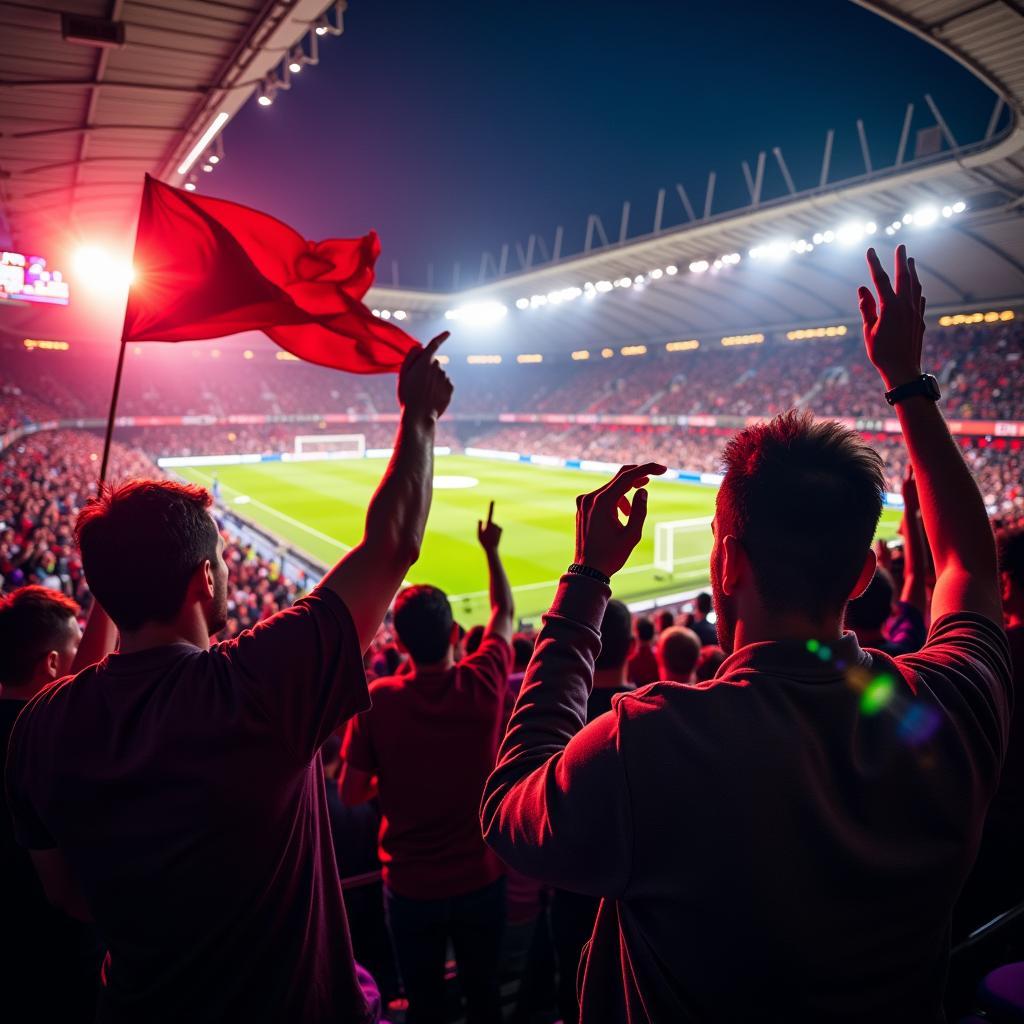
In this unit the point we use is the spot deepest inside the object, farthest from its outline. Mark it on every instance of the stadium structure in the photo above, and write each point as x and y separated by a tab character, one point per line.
152	87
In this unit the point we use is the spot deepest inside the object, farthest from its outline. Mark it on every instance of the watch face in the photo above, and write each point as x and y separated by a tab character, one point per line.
931	387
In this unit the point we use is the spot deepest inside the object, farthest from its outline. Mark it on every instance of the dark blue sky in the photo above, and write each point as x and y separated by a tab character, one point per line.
454	127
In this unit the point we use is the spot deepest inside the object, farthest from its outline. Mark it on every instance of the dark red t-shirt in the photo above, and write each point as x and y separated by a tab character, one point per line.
186	791
643	666
431	739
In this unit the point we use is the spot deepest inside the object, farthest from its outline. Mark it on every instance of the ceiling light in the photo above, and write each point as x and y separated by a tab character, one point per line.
522	303
204	141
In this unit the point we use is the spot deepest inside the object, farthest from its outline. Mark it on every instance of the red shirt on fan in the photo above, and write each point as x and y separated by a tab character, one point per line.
186	790
431	738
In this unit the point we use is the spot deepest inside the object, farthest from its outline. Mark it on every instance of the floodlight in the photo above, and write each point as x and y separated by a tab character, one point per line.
959	206
698	266
671	270
522	303
926	216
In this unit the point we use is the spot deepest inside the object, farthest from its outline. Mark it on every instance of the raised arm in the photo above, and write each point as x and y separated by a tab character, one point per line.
955	521
915	590
557	806
98	639
502	603
369	576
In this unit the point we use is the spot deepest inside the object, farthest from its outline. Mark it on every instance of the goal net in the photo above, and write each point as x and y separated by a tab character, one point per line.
669	552
330	446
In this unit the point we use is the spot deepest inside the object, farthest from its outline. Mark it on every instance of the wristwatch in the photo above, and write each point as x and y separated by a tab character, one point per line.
925	385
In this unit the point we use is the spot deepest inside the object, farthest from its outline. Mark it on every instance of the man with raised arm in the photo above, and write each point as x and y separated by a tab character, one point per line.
430	741
786	840
174	792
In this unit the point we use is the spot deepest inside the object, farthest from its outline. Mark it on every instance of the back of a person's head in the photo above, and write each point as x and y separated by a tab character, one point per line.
703	603
522	651
392	659
33	621
874	606
710	658
423	621
474	638
1011	558
803	498
141	543
678	651
644	629
616	636
666	620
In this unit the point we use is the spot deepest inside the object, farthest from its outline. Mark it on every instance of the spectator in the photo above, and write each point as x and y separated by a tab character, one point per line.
678	652
777	810
573	913
473	638
175	791
666	620
997	881
867	614
643	665
522	651
427	744
708	663
705	630
52	961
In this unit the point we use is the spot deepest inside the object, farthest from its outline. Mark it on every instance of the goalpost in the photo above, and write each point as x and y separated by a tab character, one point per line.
330	446
666	550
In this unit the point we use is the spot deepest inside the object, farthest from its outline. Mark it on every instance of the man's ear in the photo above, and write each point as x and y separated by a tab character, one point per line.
867	572
735	565
52	661
202	586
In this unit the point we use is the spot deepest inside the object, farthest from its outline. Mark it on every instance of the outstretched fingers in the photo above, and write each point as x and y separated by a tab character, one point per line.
879	278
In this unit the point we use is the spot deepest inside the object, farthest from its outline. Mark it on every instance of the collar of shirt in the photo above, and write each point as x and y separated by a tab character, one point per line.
808	661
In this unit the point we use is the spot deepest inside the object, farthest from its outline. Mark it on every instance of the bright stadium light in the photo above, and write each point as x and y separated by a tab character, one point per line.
656	274
604	286
213	159
400	314
97	270
190	186
204	140
538	300
478	314
522	303
925	217
959	206
698	266
850	233
671	270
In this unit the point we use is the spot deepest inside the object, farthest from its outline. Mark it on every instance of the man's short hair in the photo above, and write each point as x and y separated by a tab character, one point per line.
666	620
678	651
1011	554
423	621
703	603
33	621
711	656
874	606
522	651
616	636
141	542
644	629
804	499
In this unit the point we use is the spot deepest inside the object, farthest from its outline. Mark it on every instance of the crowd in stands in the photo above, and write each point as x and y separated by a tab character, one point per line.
765	808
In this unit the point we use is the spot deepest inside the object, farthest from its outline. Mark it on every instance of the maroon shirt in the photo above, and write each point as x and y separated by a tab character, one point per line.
431	739
768	844
185	789
643	666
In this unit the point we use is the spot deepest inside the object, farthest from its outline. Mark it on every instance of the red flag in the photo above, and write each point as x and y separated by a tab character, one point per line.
206	267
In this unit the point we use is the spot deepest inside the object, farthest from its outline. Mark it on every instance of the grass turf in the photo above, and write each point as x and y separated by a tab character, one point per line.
320	508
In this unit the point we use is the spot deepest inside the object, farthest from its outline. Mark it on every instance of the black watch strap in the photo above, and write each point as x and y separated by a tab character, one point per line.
579	569
925	385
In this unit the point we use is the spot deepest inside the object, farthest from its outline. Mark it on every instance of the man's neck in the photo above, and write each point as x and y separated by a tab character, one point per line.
189	629
24	693
609	678
871	638
779	630
447	662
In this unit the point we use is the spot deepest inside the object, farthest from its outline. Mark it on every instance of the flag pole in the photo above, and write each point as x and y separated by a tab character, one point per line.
113	411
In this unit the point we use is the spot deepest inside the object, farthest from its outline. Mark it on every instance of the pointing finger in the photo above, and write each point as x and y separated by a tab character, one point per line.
435	343
490	513
879	277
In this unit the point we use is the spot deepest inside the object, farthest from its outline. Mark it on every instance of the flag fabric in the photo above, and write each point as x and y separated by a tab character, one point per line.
206	267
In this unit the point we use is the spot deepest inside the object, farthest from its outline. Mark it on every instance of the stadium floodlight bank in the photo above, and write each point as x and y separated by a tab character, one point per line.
329	446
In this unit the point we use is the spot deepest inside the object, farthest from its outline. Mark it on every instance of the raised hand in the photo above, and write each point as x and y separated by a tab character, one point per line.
424	389
489	533
894	323
602	541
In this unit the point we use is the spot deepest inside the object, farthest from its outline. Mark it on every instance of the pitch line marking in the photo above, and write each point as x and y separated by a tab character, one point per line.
298	524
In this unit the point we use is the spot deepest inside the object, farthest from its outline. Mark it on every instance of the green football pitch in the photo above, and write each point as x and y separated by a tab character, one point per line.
319	507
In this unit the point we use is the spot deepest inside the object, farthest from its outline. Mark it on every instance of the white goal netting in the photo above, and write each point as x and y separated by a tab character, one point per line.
670	553
330	446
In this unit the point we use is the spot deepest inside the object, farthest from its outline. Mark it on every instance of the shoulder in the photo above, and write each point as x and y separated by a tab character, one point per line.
494	655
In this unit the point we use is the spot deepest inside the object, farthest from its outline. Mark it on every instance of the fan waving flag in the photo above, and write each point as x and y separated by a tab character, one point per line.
205	268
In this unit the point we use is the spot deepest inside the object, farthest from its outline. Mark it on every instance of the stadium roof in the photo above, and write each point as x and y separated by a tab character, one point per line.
93	97
969	260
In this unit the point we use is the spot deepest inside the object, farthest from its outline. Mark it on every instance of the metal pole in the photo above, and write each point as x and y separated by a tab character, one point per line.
113	411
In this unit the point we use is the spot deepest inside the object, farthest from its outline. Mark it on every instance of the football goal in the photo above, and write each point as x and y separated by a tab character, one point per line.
330	446
669	550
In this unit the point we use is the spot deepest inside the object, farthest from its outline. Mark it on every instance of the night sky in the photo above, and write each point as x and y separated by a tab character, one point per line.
454	127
